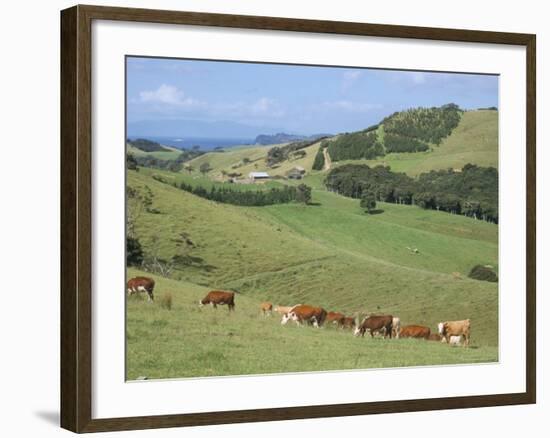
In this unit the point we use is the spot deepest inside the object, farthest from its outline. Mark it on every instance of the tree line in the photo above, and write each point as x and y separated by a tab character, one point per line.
356	145
473	191
278	154
430	125
250	198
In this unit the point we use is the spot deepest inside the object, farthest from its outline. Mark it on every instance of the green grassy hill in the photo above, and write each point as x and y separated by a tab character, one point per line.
474	140
232	160
170	154
329	254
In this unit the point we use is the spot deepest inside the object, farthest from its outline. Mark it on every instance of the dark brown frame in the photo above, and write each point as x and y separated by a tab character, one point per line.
76	222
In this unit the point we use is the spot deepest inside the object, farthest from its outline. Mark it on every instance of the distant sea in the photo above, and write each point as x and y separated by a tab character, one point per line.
206	144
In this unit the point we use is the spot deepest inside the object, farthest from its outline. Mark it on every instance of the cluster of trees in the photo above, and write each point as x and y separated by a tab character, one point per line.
398	143
251	198
319	161
147	145
429	125
278	154
356	145
472	192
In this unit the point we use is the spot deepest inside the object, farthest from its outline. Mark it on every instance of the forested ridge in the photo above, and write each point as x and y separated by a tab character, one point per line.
412	130
472	191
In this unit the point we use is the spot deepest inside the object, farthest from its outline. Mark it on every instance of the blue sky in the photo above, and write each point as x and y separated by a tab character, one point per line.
269	98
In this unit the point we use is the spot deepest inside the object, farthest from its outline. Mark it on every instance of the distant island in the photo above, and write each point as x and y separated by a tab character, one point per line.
282	137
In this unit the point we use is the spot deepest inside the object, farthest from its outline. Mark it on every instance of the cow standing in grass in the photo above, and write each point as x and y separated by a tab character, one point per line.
218	297
415	331
266	308
375	323
141	284
335	318
348	322
449	329
303	313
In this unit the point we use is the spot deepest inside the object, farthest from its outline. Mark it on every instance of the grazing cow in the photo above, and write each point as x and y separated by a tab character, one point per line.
415	331
282	310
375	323
348	322
216	297
266	308
455	328
304	313
141	284
396	327
434	337
335	318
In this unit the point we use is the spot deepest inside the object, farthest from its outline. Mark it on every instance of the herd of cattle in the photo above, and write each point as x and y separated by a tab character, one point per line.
450	332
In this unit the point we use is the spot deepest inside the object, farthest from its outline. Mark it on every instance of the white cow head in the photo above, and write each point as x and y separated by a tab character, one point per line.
441	328
285	319
357	331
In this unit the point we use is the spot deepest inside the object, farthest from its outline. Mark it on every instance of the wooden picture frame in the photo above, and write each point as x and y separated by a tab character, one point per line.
76	217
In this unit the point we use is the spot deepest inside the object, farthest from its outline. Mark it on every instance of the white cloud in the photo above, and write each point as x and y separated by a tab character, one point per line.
169	95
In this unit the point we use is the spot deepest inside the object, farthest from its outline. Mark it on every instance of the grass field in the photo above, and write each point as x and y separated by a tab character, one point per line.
330	254
188	341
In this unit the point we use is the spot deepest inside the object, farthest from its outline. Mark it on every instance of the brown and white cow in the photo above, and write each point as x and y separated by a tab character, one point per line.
375	323
396	327
415	331
266	308
348	322
303	313
335	318
219	297
448	329
141	284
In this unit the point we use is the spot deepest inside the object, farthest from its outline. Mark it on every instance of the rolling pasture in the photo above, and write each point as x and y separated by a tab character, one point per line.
329	254
188	341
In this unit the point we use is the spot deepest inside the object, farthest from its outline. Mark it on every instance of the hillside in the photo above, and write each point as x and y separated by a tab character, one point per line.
188	341
168	152
232	160
293	253
474	140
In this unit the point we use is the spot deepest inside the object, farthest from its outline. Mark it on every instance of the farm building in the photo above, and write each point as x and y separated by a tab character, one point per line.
258	176
296	173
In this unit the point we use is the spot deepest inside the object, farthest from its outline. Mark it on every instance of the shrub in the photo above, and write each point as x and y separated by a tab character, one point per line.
483	273
134	252
166	301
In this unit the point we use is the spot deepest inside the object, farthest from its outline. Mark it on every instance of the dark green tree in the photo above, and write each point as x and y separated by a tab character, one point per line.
204	168
303	193
134	252
368	201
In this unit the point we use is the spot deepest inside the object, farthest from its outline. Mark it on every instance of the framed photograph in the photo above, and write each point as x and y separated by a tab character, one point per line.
269	218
